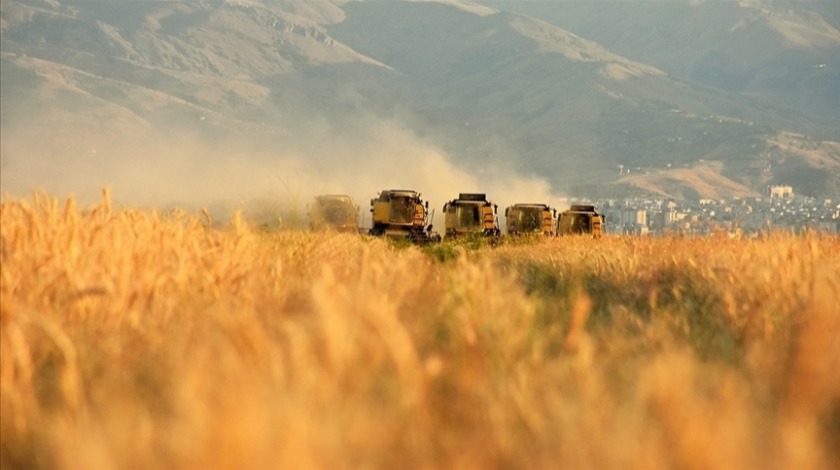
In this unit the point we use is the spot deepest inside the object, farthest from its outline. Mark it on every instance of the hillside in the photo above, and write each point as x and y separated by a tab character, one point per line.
225	101
773	51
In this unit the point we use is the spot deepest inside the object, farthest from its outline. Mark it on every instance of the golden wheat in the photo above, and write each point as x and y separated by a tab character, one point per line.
138	339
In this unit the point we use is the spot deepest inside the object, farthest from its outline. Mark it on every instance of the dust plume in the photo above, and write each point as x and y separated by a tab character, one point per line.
267	176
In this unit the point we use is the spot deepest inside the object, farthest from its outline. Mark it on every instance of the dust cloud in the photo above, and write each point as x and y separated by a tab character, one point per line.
269	178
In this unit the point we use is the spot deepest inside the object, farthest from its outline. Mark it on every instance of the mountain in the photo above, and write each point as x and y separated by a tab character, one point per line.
168	101
778	51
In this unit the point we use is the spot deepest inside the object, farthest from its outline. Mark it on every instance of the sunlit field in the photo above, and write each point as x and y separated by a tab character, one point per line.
136	339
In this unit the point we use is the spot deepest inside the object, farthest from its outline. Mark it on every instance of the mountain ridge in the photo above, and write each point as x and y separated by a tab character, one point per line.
497	93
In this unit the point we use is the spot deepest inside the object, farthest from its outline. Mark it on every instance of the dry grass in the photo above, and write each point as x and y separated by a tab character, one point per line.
143	340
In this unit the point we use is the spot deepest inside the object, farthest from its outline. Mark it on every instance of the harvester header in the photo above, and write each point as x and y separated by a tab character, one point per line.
469	214
580	219
401	213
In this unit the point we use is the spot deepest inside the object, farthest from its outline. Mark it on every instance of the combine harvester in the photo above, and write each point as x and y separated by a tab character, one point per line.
470	214
530	219
402	214
334	212
580	219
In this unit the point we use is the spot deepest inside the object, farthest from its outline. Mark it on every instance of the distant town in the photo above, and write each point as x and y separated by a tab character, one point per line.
780	209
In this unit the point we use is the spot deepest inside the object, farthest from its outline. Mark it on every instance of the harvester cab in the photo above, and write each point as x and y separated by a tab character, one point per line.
401	213
334	212
580	219
530	219
469	214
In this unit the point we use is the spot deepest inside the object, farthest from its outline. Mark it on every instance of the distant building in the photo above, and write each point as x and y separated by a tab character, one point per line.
661	220
637	217
781	192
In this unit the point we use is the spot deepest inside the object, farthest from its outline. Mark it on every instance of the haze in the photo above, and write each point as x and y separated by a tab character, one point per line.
207	104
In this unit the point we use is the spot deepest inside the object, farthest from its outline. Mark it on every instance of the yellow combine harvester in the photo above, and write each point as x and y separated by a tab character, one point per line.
580	219
471	213
334	212
529	219
401	213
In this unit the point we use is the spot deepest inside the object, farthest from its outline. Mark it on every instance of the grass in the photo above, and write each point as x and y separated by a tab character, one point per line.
136	339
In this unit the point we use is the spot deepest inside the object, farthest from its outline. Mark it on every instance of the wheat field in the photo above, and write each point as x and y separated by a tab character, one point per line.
137	339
